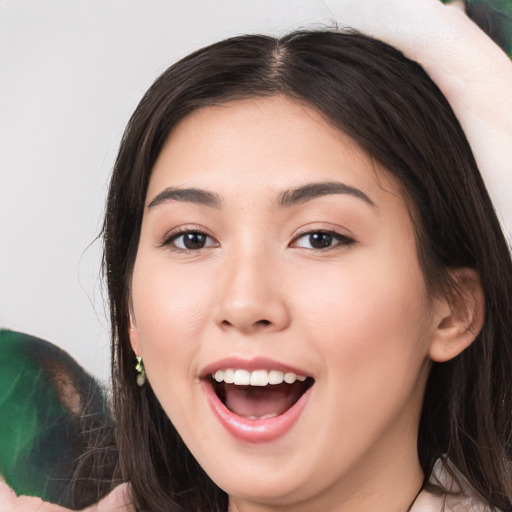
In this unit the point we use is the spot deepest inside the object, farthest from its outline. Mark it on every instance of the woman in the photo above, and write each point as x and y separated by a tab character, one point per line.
296	206
302	255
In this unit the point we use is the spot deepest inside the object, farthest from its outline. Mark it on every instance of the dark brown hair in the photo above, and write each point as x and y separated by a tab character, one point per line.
395	112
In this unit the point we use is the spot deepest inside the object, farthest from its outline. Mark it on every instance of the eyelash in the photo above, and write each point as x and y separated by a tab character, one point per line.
339	240
170	240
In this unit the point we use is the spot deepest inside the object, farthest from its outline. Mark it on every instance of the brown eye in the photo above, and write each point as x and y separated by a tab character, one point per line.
318	240
190	241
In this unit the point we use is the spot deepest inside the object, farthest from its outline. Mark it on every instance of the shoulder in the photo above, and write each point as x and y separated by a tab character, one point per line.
459	496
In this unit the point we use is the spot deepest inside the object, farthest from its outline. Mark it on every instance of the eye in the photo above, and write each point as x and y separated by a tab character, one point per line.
189	240
322	240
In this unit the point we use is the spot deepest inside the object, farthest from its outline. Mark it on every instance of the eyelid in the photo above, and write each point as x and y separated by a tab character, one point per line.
344	240
170	236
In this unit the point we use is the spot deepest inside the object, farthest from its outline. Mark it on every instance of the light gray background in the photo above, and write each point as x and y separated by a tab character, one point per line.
71	73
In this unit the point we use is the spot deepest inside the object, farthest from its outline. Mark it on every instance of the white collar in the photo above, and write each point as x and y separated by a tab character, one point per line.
459	497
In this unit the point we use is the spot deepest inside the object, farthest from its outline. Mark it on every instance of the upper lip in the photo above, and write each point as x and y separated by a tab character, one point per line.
250	364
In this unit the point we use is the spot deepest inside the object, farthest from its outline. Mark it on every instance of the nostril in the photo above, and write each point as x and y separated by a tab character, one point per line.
227	323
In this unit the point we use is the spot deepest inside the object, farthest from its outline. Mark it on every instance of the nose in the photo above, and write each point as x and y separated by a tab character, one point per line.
252	297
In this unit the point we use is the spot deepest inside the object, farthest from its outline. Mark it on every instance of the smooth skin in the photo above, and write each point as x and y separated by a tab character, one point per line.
355	313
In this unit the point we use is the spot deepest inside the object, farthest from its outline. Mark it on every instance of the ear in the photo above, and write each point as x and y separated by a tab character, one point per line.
134	335
459	317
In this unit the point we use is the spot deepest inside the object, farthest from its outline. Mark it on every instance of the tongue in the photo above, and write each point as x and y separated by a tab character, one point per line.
252	401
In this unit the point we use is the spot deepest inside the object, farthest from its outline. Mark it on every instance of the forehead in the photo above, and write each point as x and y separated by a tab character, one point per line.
264	145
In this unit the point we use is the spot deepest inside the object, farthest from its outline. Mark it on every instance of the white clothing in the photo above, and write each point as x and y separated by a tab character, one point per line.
460	495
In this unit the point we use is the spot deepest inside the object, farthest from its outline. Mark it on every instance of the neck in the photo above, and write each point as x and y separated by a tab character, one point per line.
389	487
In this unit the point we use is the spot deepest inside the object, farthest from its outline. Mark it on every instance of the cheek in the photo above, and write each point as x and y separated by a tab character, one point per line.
170	309
366	314
371	327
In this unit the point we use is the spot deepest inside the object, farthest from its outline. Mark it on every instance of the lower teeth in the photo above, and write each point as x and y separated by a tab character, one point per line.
264	417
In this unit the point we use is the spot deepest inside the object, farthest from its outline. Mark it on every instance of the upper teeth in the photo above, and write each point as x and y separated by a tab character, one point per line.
256	377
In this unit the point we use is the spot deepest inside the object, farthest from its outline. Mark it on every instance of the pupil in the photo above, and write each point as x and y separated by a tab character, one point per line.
320	240
194	240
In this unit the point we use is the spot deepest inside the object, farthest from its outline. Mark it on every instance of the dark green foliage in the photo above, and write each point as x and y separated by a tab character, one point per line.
51	411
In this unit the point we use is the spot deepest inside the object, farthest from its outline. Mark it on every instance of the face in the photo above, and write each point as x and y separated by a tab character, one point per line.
279	306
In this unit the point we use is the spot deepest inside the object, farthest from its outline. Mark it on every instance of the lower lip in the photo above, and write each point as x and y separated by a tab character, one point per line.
255	431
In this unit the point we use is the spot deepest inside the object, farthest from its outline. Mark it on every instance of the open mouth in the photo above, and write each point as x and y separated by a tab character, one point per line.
259	394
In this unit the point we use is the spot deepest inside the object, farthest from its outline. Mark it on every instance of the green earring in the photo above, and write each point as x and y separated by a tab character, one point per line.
141	372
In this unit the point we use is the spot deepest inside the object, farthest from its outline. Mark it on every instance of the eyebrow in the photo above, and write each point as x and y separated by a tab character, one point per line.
286	199
313	190
187	195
